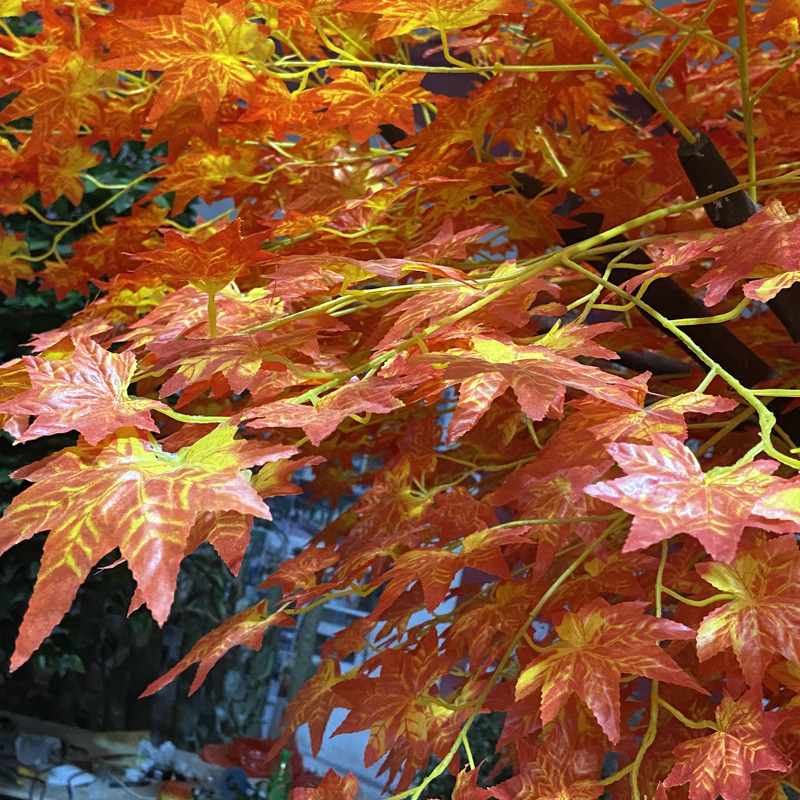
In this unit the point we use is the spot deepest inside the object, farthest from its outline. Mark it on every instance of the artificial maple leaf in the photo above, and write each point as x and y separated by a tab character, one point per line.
436	568
314	704
567	765
539	377
596	645
373	394
404	16
331	787
764	613
208	265
13	263
720	765
246	627
395	708
60	171
128	494
768	238
353	101
668	493
202	51
60	94
242	359
86	392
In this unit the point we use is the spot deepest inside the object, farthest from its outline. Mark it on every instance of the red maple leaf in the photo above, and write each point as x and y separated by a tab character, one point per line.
128	494
668	493
765	584
208	265
246	627
596	646
720	765
396	698
202	51
86	392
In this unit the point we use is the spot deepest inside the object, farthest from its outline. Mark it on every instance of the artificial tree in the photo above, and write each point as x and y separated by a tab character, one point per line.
489	267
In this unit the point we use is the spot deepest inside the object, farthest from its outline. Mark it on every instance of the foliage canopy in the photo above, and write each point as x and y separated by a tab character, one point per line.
487	266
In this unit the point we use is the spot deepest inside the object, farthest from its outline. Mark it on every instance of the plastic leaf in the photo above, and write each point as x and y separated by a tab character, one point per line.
129	494
720	765
208	265
246	627
763	617
595	647
668	493
406	15
203	51
86	392
331	787
354	102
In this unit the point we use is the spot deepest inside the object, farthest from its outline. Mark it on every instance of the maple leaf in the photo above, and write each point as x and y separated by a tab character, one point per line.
761	618
373	394
768	238
596	645
202	51
331	787
60	170
246	627
395	708
86	392
406	15
129	494
351	100
538	375
208	265
435	568
314	704
668	493
721	764
567	766
60	94
13	263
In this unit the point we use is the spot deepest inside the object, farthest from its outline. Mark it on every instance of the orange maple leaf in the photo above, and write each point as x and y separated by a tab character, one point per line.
13	262
353	101
86	392
59	170
756	623
246	627
769	238
538	375
129	494
208	265
60	94
314	704
668	493
402	16
373	394
595	646
331	787
720	765
395	707
202	51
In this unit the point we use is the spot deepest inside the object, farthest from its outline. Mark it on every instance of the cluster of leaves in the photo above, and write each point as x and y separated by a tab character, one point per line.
596	514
